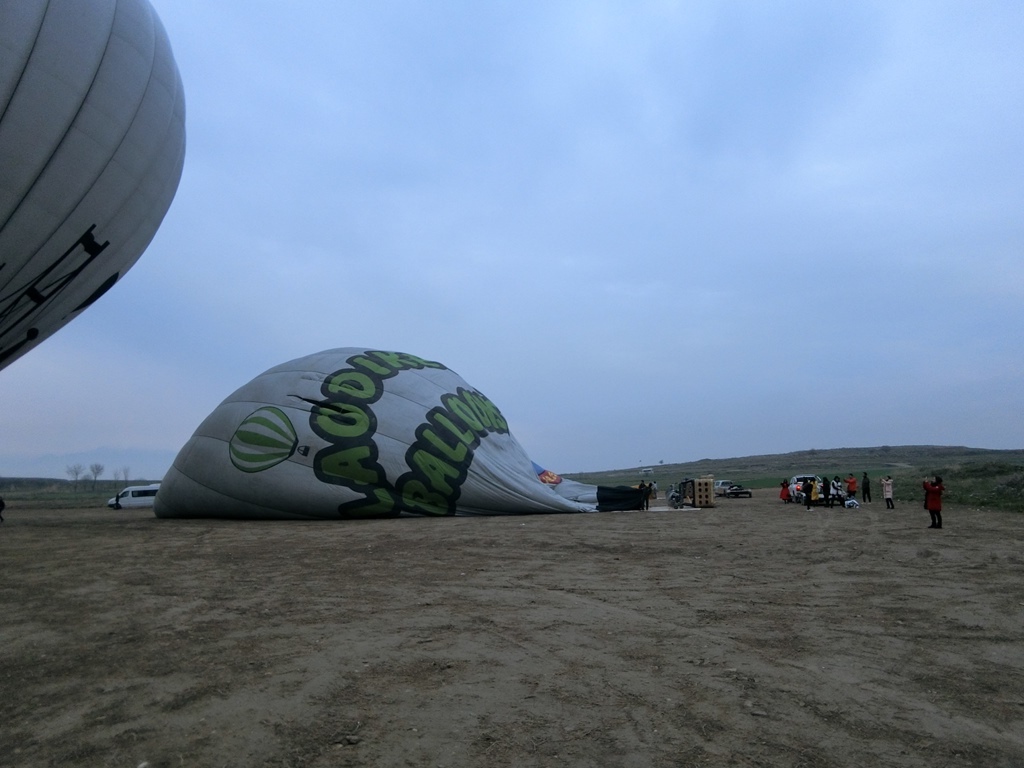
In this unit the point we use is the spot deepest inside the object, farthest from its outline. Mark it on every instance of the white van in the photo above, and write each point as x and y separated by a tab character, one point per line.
135	496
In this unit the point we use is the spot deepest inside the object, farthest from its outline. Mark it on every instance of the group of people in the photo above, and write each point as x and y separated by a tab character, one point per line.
648	491
844	492
811	490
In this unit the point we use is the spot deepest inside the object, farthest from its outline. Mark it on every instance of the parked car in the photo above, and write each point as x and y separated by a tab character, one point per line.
721	486
134	496
736	490
796	483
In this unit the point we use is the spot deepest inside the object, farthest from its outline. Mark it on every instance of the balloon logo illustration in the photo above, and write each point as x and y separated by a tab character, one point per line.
263	440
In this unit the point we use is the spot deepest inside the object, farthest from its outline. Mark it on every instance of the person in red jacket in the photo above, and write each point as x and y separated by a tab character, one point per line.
784	493
933	500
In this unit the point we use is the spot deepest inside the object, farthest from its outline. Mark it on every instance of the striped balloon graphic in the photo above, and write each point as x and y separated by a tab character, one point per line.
263	440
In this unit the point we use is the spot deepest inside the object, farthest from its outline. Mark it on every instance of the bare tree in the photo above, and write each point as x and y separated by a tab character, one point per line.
75	471
126	473
95	470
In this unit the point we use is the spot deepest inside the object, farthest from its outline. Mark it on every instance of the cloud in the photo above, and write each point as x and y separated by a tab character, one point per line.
662	231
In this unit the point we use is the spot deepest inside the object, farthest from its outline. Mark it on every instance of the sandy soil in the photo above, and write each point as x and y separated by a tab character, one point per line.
750	634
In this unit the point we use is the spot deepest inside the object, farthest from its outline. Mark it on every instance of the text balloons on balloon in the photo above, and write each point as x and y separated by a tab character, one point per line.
358	433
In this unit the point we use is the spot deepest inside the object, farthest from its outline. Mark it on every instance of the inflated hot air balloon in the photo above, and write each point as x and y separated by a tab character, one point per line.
92	141
352	433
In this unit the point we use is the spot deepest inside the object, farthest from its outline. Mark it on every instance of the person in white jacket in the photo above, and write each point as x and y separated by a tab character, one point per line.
838	492
887	492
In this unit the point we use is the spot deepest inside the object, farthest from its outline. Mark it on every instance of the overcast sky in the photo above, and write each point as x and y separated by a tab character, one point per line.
647	231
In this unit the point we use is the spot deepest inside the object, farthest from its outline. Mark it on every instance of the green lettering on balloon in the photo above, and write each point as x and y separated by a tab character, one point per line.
341	420
348	464
465	437
353	384
436	471
382	503
457	453
392	360
417	497
487	411
371	365
464	412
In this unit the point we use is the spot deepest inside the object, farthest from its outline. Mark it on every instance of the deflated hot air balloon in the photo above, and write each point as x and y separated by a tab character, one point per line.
353	433
92	141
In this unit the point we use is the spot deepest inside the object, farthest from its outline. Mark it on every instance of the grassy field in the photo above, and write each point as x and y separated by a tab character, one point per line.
976	476
50	493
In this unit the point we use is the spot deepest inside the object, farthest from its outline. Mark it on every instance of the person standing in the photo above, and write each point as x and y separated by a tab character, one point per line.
887	492
826	492
784	493
3	506
808	491
837	491
865	488
643	495
851	486
933	500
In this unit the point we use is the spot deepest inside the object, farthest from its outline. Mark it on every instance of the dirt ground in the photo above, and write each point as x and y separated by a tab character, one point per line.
745	635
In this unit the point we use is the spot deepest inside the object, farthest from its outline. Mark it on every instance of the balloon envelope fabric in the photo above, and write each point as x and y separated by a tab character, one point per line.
356	433
92	142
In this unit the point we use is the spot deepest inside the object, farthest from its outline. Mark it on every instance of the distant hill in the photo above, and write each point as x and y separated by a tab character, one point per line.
971	475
